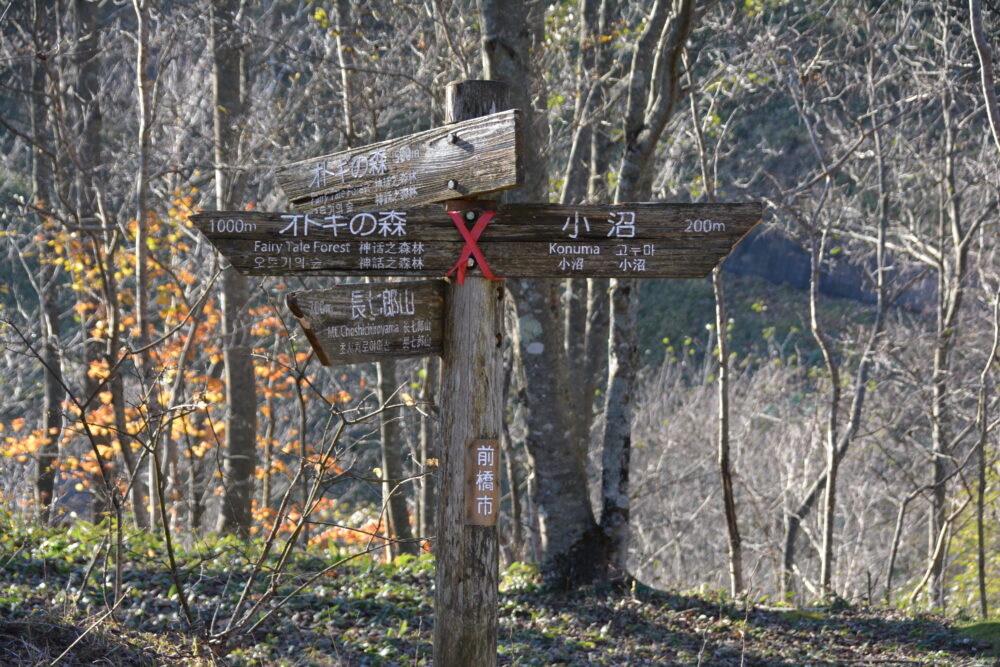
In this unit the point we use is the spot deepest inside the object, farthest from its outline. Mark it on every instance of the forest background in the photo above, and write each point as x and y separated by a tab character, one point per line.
818	420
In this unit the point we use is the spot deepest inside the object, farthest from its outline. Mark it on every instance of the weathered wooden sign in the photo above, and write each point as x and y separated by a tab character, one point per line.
349	324
473	157
518	241
482	482
354	215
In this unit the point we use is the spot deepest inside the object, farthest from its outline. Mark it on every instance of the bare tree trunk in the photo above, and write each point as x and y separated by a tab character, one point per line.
516	535
196	486
935	519
939	472
622	360
817	250
792	524
595	365
590	153
655	75
982	419
428	449
267	493
305	484
241	397
41	186
516	401
573	190
575	340
572	545
344	60
985	55
951	288
736	586
393	493
148	386
54	394
514	482
722	333
602	146
87	124
598	289
577	172
178	389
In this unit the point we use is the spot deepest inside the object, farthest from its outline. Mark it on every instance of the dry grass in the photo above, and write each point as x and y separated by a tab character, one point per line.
42	639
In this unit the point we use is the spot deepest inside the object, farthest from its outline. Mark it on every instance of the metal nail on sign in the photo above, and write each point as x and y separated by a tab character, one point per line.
470	158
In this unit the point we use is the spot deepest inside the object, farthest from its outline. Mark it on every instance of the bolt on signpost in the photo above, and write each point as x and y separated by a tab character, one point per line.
363	213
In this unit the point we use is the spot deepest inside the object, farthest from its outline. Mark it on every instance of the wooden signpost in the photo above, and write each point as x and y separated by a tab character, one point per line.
349	324
362	213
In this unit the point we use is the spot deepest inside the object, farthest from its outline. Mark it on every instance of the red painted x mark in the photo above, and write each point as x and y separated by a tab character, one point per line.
471	249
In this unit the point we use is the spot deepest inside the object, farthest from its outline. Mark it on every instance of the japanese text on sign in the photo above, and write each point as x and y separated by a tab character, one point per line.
572	256
482	482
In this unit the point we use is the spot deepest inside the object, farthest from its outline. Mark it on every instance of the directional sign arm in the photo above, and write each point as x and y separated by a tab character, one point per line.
366	322
522	241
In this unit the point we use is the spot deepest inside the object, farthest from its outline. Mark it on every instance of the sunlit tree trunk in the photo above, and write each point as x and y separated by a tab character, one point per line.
149	388
571	544
655	74
722	382
985	55
602	149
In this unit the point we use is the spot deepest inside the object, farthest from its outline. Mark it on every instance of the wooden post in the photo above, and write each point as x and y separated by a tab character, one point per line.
467	579
353	217
342	227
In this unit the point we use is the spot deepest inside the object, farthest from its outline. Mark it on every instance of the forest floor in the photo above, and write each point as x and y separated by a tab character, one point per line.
377	614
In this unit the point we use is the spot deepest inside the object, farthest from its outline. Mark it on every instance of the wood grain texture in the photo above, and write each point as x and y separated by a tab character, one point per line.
663	241
478	156
364	322
482	482
468	573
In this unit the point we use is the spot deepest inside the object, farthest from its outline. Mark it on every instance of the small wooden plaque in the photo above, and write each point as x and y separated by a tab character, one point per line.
364	322
474	157
482	482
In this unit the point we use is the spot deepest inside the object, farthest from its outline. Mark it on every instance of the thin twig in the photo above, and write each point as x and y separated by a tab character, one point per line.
85	633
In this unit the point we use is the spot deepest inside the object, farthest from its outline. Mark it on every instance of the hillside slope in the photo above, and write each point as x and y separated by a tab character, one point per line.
382	615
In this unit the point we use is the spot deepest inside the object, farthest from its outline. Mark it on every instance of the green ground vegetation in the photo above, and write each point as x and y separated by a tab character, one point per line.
54	587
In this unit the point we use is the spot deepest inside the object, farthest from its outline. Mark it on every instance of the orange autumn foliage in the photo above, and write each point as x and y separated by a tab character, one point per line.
188	351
